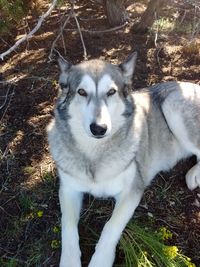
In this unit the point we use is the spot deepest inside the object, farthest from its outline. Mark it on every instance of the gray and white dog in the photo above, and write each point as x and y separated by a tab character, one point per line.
109	141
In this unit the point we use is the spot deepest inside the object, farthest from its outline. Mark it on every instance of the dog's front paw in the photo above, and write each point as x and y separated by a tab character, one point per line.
70	262
70	258
193	177
103	258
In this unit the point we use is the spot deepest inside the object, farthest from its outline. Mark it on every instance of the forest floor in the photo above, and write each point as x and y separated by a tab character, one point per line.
29	206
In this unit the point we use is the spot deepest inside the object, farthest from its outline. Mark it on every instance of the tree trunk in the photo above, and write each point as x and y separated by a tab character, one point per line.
149	16
115	12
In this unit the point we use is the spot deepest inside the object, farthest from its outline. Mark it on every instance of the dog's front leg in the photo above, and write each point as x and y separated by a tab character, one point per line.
125	206
70	202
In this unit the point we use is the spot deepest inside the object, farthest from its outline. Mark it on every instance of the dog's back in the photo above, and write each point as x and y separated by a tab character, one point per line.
171	125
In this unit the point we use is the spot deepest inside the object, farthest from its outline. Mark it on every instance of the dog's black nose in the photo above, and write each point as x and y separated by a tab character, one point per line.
98	130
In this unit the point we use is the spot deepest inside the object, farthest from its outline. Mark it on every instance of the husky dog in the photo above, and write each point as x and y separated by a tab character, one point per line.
110	142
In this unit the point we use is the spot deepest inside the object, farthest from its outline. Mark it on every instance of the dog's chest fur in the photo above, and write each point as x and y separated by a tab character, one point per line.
98	167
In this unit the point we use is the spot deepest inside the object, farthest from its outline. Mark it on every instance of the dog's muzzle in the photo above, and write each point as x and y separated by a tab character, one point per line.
98	130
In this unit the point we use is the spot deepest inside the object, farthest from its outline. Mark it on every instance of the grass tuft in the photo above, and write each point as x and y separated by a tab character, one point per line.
163	25
26	203
28	170
144	248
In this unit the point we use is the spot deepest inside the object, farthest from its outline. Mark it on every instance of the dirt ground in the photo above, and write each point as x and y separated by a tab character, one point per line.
29	208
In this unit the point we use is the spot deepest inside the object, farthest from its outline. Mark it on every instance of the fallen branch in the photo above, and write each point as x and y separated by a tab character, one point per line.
59	35
80	33
6	98
30	34
196	23
7	82
101	31
157	29
8	104
91	19
16	79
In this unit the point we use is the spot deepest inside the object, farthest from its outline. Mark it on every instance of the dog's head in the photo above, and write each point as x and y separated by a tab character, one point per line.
95	95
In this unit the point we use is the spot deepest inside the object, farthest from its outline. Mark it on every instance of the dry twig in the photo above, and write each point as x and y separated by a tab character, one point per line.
60	34
62	28
9	101
30	34
157	29
101	31
6	98
81	35
196	23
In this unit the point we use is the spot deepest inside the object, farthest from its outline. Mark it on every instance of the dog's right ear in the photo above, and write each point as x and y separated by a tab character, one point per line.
64	65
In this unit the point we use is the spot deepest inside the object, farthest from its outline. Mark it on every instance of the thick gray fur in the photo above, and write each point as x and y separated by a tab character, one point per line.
161	125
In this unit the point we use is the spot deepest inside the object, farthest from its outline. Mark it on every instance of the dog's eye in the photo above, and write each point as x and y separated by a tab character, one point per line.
112	91
82	92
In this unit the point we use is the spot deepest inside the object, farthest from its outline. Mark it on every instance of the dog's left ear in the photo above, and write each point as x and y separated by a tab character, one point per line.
128	67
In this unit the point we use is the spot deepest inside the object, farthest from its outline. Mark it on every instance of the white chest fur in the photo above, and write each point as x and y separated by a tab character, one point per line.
105	183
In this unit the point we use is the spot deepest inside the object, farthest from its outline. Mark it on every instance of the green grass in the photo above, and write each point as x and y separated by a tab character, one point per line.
28	170
166	25
163	25
8	263
35	252
48	177
26	203
145	248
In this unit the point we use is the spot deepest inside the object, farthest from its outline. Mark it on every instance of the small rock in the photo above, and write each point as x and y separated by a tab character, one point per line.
196	203
150	214
172	203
